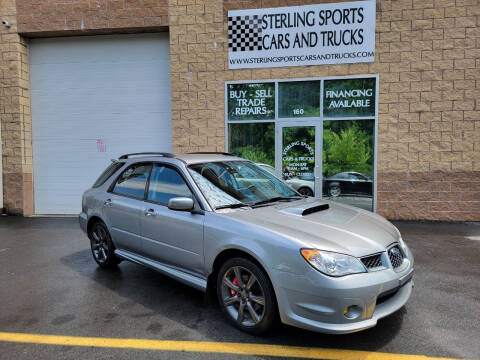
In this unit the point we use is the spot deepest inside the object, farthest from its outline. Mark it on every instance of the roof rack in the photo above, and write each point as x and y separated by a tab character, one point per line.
212	152
164	154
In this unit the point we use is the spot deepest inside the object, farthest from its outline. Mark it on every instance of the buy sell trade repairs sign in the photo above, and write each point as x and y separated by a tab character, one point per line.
319	34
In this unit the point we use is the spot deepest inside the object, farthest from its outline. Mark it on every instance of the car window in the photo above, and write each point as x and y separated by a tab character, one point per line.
233	182
112	168
166	183
338	176
353	176
268	168
133	180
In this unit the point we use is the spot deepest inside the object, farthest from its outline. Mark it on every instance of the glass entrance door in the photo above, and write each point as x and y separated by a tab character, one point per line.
298	156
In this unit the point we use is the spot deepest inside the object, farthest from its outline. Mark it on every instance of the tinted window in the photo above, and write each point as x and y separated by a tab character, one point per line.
133	180
166	183
113	167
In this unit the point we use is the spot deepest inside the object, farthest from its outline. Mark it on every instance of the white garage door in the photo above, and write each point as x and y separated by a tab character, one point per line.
94	98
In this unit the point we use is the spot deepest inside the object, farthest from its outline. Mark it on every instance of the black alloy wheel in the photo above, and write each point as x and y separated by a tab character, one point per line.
102	247
246	296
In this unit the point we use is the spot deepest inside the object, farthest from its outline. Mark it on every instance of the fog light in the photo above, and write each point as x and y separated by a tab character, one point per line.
352	312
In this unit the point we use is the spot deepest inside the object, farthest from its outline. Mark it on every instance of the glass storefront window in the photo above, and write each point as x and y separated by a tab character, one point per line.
254	101
299	99
348	155
283	124
253	141
349	97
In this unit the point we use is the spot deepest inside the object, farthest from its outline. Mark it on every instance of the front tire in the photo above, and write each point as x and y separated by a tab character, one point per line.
306	191
102	247
246	296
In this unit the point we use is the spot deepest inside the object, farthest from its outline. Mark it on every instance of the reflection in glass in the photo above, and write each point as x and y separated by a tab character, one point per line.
165	184
299	99
298	158
234	183
132	182
348	156
253	141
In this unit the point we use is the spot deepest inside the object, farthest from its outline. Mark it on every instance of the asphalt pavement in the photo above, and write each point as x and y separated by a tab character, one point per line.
51	285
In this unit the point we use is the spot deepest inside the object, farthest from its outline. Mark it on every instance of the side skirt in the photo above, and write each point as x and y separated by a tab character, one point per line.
188	279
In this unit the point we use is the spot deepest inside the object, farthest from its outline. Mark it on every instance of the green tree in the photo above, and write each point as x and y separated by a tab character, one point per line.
349	149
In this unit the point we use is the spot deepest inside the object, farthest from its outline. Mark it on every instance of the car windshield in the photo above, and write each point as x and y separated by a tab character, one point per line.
239	183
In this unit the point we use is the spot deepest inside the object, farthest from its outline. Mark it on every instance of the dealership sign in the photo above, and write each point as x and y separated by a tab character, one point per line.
333	33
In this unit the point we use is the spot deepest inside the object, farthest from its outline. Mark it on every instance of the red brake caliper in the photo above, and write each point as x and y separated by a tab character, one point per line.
235	282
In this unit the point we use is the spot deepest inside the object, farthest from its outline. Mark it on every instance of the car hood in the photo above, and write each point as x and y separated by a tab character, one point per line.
340	228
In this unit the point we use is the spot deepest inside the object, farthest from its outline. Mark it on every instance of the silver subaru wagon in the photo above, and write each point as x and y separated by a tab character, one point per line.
220	223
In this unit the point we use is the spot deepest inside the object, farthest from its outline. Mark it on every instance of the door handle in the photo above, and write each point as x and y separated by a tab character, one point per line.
149	212
108	203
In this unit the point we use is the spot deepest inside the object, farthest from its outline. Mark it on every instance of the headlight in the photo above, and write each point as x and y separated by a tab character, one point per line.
400	241
403	245
331	263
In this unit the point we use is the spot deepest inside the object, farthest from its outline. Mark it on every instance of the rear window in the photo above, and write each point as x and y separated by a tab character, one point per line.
109	171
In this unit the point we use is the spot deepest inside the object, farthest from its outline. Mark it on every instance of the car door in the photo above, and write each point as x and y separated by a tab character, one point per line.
171	237
124	205
364	185
354	184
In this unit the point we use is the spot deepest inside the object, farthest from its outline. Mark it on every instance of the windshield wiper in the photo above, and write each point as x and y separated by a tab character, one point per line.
277	198
232	206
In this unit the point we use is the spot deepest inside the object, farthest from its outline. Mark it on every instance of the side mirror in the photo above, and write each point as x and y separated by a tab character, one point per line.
180	204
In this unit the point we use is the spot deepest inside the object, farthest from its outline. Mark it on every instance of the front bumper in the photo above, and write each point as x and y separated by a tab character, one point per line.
317	302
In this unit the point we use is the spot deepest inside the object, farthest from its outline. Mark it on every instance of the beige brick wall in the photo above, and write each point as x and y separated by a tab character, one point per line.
15	116
428	60
83	17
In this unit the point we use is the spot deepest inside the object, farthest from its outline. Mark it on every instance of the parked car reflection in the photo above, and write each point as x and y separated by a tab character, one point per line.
304	184
341	184
348	183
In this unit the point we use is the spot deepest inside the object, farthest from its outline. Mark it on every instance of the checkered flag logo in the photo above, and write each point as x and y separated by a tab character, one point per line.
244	33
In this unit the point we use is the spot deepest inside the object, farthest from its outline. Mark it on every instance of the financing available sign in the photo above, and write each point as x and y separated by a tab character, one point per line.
319	34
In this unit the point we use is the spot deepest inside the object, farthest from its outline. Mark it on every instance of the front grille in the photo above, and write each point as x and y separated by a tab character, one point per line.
395	255
373	261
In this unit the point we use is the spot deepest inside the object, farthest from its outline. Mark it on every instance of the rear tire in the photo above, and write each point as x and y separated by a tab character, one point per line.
335	191
101	245
246	296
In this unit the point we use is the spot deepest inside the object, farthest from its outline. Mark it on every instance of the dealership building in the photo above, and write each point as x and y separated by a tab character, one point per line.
371	103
